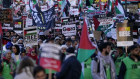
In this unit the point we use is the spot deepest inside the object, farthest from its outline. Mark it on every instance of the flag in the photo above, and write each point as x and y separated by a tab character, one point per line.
65	8
43	19
90	9
86	49
111	5
80	5
96	23
119	8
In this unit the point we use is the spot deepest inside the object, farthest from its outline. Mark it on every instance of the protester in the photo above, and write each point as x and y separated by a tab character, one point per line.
102	67
119	58
68	42
71	68
25	69
39	73
7	73
16	53
130	65
33	55
14	40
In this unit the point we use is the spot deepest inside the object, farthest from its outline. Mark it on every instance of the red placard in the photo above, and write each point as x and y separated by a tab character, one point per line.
50	63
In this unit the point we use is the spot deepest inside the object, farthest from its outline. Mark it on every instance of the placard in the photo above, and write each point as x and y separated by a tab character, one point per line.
30	35
124	34
69	30
50	56
6	16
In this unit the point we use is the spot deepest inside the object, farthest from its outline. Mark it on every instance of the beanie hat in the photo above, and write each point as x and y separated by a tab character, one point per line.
70	50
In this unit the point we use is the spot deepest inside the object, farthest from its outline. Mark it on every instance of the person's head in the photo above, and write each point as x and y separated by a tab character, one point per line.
12	33
20	41
8	34
23	53
28	48
16	49
120	50
74	43
26	62
33	52
8	54
70	50
64	48
14	39
68	42
73	38
105	48
39	73
57	40
134	50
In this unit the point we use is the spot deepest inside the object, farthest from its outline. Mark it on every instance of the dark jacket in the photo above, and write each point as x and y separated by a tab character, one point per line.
71	69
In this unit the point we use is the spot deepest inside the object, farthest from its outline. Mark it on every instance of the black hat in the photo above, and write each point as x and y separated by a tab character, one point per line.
70	50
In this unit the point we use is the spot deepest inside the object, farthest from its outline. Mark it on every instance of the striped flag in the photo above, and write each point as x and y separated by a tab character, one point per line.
111	5
119	8
65	8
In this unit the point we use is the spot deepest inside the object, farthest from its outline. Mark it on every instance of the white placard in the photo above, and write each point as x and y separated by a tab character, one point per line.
69	30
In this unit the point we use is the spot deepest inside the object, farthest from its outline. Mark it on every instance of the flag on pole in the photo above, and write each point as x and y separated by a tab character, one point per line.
96	23
86	49
65	8
43	19
119	8
111	5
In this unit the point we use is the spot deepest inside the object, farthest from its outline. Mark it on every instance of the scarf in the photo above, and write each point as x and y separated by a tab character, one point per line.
67	56
106	61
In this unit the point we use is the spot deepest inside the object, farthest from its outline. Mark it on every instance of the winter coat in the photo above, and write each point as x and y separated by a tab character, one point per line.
6	69
71	69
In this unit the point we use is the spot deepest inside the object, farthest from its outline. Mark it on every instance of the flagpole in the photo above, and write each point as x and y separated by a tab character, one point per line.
126	5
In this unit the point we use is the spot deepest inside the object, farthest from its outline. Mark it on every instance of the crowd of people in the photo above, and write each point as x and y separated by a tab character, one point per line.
20	61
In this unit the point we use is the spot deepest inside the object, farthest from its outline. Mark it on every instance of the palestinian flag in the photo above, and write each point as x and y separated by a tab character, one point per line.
111	5
65	7
119	8
86	49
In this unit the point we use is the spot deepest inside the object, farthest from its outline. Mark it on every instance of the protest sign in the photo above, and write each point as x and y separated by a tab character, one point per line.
50	56
7	26
30	35
97	35
29	22
18	27
6	15
69	30
124	34
58	29
104	24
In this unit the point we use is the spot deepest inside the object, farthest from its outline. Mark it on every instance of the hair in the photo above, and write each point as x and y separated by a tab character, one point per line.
25	62
18	49
104	45
132	48
38	69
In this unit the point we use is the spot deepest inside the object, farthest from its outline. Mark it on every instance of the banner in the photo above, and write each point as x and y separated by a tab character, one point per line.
50	56
18	27
29	22
124	34
69	30
6	16
30	35
44	19
105	24
7	26
58	29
